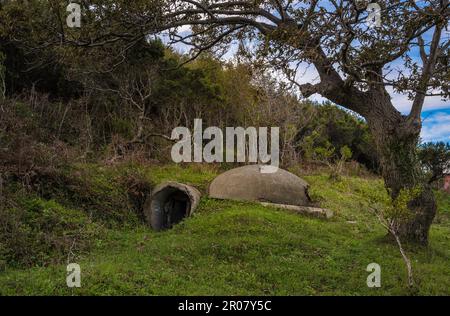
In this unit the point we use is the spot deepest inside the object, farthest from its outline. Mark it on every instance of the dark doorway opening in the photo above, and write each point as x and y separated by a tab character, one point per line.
176	208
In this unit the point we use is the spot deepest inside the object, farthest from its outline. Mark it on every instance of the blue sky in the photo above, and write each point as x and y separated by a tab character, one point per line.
436	125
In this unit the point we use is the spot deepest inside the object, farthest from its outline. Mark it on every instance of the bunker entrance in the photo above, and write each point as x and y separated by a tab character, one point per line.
169	204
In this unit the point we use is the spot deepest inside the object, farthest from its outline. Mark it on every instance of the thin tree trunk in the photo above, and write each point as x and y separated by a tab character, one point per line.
405	259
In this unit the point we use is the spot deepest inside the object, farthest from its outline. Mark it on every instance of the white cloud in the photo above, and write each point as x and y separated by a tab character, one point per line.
436	127
403	104
184	29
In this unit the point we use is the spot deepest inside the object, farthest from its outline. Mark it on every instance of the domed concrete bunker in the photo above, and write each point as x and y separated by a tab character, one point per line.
249	184
169	204
281	189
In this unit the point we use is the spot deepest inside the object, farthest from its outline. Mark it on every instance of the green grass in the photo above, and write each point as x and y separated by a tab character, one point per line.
236	248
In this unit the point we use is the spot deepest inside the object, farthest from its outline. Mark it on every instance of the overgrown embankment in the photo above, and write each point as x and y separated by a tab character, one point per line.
91	216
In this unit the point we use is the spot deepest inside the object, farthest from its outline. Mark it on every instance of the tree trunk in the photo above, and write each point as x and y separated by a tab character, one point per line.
396	139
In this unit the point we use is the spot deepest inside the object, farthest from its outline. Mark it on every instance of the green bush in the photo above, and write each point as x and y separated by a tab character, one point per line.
61	213
100	192
34	232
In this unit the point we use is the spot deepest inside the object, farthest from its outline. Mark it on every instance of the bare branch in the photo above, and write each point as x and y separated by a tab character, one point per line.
427	73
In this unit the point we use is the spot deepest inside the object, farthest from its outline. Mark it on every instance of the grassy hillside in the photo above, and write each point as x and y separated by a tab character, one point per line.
227	248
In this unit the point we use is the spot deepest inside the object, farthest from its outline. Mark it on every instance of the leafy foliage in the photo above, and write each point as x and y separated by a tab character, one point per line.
435	158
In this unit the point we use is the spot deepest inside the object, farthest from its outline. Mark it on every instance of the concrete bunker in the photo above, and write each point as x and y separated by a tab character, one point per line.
281	189
169	204
248	183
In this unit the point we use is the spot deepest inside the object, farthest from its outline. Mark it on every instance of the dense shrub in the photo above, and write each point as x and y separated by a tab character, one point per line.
106	195
34	232
61	213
